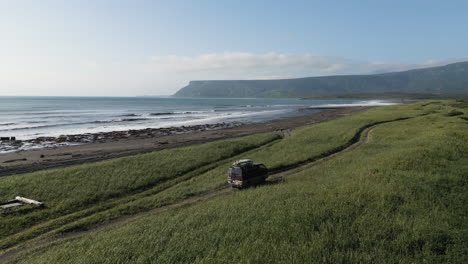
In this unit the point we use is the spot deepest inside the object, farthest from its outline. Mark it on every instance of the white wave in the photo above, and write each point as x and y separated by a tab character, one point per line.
107	120
360	103
224	117
6	149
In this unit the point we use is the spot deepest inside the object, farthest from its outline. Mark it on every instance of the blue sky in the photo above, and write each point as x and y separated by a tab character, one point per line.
155	47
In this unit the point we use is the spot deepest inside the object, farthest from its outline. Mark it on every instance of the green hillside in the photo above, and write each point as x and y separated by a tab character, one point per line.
383	186
441	81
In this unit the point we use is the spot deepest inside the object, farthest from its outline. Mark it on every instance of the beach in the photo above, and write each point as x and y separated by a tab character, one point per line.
124	143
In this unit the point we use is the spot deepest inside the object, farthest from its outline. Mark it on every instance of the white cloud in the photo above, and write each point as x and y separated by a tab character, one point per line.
380	67
244	60
250	65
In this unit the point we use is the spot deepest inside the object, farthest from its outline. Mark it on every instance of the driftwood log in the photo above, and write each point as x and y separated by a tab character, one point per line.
28	201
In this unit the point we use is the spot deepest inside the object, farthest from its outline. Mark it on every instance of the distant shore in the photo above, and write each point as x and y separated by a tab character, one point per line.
102	146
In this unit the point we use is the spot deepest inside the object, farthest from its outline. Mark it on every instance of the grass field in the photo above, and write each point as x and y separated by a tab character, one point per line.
79	187
399	198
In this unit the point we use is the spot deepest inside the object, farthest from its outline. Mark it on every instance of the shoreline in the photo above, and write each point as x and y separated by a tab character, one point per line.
44	142
132	142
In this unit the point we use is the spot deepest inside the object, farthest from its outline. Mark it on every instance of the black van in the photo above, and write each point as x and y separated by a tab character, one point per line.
243	173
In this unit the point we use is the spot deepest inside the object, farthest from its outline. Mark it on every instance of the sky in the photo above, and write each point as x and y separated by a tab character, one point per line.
135	47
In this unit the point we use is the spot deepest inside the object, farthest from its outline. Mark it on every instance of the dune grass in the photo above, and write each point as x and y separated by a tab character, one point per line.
400	198
79	187
160	195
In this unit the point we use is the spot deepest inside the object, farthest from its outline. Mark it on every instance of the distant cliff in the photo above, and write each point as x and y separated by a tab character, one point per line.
446	80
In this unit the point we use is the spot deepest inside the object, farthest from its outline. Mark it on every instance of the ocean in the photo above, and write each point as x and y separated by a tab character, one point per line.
32	117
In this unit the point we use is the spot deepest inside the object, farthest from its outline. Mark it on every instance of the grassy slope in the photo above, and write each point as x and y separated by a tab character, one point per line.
312	141
297	193
78	187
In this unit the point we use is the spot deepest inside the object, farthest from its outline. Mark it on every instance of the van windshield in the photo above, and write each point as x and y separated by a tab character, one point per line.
235	173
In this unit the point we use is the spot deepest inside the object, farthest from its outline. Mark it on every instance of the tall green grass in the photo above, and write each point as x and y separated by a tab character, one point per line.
66	190
306	143
400	198
162	194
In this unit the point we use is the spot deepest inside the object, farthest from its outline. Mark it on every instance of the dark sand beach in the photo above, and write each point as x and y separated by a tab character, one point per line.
119	144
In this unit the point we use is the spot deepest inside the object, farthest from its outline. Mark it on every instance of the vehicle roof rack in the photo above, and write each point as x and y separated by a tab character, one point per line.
242	162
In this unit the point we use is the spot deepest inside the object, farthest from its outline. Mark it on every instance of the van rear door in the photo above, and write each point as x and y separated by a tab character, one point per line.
235	177
235	173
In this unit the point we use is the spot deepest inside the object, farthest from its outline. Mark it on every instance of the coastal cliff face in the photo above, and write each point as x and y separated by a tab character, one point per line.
446	80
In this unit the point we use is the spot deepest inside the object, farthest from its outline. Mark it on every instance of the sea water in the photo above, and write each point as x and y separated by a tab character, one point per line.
32	117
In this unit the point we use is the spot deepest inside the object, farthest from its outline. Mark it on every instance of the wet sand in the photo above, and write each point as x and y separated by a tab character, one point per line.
112	147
